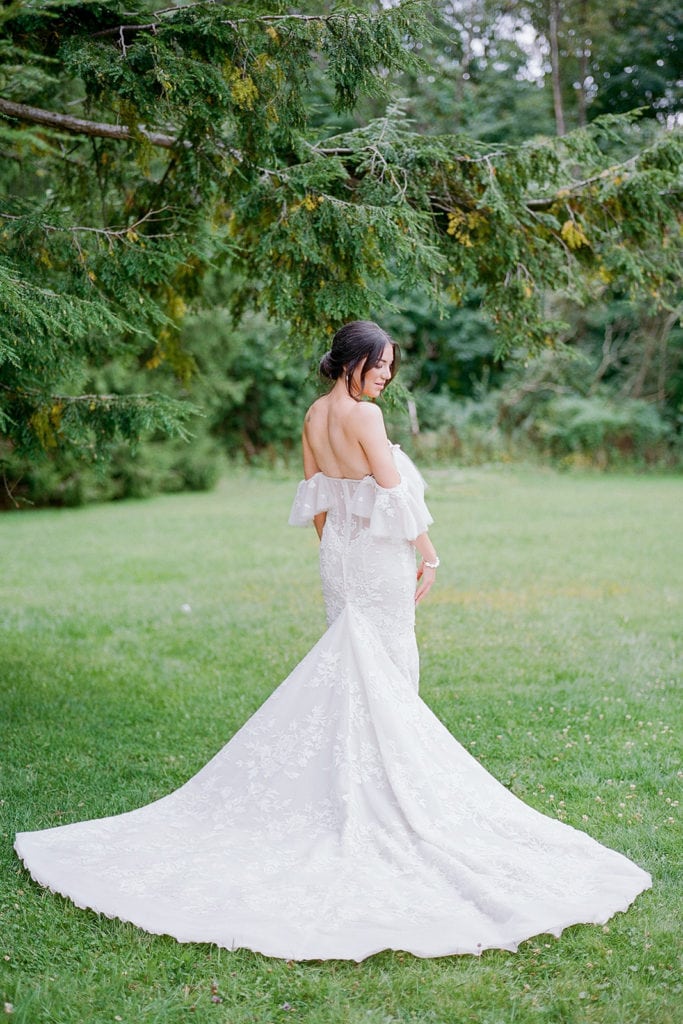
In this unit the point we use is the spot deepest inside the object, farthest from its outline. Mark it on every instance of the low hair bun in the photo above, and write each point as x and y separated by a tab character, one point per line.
327	366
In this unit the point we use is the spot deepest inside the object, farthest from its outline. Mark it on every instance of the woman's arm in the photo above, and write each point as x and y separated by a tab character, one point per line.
310	469
373	439
375	444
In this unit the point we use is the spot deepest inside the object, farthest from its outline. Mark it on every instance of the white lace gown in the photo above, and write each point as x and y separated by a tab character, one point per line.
343	818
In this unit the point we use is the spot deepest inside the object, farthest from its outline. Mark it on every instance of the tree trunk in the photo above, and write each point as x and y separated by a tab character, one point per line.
553	22
583	61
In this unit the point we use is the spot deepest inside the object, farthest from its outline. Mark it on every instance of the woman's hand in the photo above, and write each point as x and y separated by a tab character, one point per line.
425	578
426	573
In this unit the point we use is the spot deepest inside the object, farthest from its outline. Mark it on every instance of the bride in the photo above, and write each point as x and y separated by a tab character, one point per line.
343	818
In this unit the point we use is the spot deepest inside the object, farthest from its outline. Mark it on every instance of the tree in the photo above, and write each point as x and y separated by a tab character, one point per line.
641	62
475	80
613	56
141	147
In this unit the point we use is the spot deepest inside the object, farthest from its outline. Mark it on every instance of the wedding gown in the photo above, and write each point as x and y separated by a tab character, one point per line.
343	818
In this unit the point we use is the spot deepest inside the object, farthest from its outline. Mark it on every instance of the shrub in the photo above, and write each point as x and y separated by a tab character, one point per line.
572	429
602	429
155	467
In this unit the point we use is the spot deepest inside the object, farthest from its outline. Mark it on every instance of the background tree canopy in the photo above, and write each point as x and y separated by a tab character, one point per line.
185	188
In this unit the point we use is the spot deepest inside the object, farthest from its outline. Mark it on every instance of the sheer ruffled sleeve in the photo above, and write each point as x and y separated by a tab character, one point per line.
312	496
398	511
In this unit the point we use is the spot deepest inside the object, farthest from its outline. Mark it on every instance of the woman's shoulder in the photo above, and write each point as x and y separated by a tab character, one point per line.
365	416
369	411
316	409
368	423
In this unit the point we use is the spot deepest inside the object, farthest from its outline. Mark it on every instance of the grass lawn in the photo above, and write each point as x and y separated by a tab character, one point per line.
136	638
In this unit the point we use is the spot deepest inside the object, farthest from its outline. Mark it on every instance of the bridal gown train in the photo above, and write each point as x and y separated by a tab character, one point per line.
343	818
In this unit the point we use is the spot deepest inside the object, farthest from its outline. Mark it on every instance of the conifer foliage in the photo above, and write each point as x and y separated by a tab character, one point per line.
142	146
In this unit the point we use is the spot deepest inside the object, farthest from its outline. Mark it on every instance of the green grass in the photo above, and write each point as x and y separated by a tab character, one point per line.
550	647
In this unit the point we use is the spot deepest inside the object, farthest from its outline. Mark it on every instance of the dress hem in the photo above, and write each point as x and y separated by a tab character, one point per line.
264	949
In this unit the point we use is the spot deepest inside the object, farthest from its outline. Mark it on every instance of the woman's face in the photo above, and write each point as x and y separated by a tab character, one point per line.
377	376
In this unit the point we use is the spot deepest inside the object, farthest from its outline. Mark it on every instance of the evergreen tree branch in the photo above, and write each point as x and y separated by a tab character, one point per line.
95	397
80	126
255	19
109	233
578	186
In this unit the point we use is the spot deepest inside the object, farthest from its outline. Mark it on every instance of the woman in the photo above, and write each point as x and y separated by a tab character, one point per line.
343	818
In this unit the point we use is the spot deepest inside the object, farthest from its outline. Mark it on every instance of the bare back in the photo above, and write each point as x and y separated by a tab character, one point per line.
346	439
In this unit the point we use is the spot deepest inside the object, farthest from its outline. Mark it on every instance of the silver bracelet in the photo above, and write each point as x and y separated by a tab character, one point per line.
432	565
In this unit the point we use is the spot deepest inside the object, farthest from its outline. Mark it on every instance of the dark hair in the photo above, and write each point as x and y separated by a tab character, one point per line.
360	343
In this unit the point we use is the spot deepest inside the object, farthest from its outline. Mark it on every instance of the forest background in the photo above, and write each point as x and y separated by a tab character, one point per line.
192	199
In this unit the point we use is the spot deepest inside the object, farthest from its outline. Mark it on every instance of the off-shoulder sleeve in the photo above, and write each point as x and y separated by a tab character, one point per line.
312	496
400	511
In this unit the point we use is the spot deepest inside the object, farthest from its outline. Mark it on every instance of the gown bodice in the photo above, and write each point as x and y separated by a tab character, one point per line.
399	512
367	560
